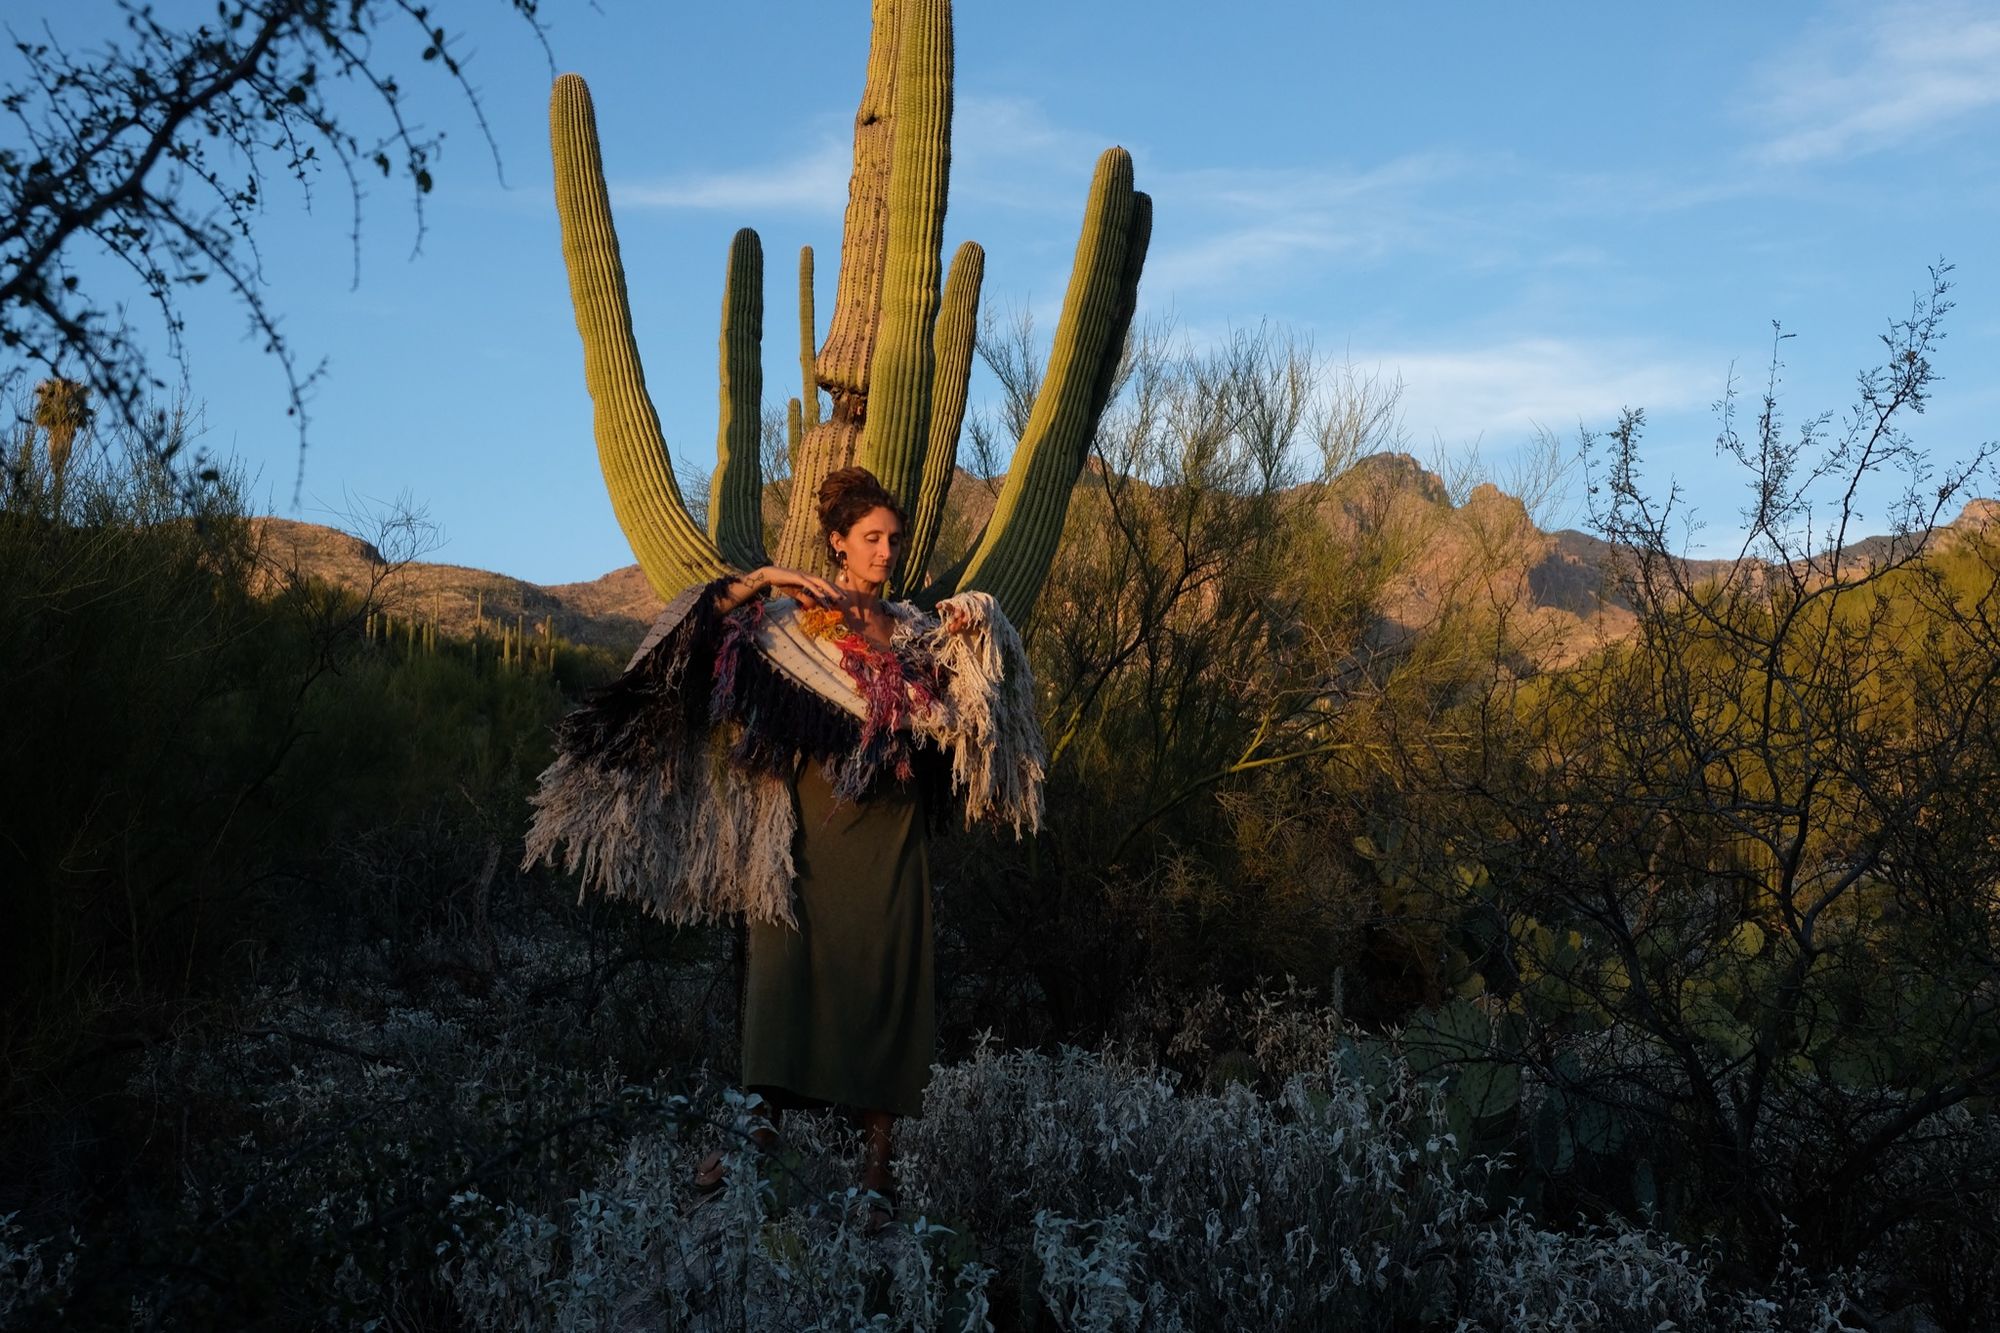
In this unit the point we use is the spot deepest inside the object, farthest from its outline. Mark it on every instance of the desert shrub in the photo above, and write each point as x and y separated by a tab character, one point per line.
460	1163
1521	1275
317	1156
1250	1212
208	752
1726	888
1114	1200
126	649
1080	1192
1189	635
1719	894
218	788
784	1251
36	1275
1692	990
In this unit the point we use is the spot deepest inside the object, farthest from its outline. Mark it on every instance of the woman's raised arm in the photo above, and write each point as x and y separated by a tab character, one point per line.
808	588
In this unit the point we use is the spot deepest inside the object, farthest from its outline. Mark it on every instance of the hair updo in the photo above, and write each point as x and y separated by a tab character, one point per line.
846	497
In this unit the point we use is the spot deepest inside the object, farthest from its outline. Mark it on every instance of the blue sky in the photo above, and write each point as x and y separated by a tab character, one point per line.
1534	214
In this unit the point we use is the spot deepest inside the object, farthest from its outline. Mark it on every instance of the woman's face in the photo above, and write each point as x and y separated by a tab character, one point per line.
872	544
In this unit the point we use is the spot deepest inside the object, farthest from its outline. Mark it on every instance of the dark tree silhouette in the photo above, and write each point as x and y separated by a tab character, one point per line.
157	151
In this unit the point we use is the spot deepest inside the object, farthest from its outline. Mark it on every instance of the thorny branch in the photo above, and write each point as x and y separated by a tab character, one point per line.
153	155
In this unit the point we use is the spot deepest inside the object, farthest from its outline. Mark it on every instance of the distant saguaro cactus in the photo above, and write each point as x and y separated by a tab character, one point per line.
897	354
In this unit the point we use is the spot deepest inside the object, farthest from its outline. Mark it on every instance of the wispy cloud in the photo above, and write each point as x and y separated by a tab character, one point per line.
1510	389
1245	224
1005	150
1009	153
815	182
1207	262
989	126
1883	76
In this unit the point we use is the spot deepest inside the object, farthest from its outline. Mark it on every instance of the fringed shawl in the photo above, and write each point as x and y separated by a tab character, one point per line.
671	784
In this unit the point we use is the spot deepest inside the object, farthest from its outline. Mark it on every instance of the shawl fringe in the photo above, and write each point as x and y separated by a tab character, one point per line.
671	784
988	725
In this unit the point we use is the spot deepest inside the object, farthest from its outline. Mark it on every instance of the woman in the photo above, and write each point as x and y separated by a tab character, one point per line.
776	756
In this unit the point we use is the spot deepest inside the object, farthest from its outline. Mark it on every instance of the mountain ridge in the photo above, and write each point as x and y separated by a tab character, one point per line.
1485	546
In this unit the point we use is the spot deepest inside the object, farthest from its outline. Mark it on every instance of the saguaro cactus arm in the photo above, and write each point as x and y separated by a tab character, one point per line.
672	551
957	329
1014	552
736	495
1141	238
808	330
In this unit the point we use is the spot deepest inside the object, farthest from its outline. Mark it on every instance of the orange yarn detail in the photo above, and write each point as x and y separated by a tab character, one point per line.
822	622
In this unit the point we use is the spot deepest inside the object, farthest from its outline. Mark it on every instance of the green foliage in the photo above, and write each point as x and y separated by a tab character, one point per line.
1482	1086
1188	648
124	631
1733	906
204	727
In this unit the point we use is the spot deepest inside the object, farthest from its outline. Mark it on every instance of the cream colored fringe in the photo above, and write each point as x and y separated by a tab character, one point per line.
989	725
696	840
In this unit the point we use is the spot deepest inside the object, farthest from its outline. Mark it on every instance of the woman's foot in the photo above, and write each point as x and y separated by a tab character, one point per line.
713	1171
710	1175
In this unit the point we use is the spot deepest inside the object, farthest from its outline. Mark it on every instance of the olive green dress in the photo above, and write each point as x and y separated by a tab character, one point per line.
841	1010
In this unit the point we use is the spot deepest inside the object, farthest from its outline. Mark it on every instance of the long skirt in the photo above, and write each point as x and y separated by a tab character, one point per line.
842	1009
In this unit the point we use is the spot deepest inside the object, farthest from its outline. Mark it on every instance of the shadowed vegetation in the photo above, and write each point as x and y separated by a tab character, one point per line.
1601	978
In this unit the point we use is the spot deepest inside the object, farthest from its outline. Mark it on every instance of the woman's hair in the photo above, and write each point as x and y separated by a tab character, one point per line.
846	497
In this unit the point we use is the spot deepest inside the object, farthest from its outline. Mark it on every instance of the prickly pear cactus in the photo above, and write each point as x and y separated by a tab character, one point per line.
897	355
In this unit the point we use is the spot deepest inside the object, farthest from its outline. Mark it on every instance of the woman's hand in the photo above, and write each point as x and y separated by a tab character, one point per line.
810	589
957	617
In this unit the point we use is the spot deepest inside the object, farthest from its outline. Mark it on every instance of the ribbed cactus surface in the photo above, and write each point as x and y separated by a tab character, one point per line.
898	352
736	495
846	356
672	551
849	350
808	330
1020	539
899	398
957	330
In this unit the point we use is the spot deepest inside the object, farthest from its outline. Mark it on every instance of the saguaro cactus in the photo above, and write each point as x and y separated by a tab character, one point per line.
897	354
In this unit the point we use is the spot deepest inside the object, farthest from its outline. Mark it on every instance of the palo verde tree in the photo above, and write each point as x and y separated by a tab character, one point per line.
895	360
